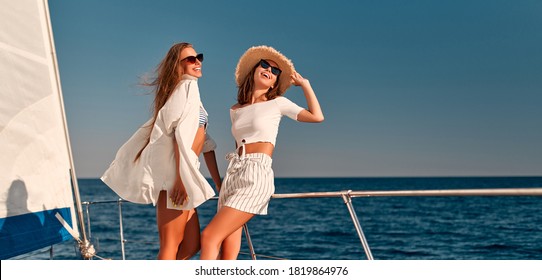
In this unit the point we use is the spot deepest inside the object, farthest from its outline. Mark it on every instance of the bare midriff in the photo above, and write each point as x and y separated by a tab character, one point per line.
199	140
258	147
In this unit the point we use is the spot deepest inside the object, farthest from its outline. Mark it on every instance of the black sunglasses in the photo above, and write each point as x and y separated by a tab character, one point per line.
192	59
264	64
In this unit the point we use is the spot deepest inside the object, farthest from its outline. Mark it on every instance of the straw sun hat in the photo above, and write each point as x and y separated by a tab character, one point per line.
253	55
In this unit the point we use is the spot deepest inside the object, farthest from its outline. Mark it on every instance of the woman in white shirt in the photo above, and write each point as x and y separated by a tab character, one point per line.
159	163
263	74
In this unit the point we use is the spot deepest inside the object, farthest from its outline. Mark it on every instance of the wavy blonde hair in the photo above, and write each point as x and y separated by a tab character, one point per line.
168	75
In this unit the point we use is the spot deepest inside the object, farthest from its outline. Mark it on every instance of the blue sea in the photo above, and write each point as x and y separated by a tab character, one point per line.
396	228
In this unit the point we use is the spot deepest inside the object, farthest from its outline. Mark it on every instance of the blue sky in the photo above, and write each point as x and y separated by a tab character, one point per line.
408	88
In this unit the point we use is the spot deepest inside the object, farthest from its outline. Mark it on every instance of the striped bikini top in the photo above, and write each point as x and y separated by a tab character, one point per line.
203	117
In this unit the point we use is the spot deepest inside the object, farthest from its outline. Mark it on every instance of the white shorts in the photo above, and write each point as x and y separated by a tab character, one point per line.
248	184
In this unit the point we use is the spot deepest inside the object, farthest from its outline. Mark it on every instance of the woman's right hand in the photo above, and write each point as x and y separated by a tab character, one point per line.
298	80
314	113
178	193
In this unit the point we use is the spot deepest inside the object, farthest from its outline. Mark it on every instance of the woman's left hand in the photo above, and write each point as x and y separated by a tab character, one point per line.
298	80
178	195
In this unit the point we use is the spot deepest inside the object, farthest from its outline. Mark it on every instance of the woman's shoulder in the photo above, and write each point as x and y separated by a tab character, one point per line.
281	100
188	78
187	83
236	106
185	86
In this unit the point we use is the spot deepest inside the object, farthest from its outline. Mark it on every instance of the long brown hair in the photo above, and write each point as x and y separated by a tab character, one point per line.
168	75
245	91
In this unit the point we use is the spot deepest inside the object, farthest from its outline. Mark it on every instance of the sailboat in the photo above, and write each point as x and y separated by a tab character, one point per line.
40	203
38	183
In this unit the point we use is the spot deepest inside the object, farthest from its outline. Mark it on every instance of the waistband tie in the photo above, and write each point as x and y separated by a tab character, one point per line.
238	161
235	160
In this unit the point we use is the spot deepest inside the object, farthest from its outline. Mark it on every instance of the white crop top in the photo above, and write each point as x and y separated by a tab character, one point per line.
259	122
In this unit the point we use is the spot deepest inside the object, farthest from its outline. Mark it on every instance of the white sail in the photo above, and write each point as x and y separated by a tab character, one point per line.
35	159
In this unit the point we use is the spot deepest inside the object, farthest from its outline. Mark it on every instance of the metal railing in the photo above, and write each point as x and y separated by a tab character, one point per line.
349	194
347	199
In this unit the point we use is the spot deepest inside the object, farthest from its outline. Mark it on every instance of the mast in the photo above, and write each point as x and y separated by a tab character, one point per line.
86	248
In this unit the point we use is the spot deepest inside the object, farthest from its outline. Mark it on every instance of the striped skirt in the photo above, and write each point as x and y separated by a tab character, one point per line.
248	184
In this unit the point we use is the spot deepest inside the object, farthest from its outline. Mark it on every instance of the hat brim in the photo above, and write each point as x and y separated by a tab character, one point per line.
254	54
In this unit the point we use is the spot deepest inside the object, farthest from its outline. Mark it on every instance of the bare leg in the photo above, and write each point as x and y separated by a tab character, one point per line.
171	224
232	245
191	241
225	222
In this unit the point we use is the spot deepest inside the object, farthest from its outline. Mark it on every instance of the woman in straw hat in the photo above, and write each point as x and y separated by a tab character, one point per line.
159	163
263	75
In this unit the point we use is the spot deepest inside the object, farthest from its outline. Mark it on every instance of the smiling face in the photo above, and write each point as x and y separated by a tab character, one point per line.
263	77
192	69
